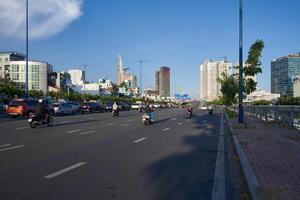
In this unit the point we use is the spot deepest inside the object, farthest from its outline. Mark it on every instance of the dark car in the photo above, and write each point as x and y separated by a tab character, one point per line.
108	107
21	107
124	106
90	107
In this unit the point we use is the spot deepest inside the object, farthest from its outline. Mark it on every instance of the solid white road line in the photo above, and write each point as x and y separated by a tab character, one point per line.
85	133
139	140
10	148
64	170
20	128
124	125
74	131
109	124
4	145
166	129
218	192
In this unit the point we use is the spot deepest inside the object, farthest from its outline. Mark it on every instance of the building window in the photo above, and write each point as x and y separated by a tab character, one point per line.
35	86
35	68
35	77
15	68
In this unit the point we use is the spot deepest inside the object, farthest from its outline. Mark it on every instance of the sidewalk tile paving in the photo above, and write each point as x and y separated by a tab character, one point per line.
274	154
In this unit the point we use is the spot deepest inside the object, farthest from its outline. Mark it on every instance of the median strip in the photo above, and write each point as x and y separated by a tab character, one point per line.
11	148
62	171
139	140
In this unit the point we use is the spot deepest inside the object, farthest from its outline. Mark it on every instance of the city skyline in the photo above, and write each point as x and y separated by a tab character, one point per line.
176	35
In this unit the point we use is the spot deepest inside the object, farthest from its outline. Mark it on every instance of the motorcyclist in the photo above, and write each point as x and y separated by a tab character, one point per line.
41	109
210	109
115	107
149	111
190	109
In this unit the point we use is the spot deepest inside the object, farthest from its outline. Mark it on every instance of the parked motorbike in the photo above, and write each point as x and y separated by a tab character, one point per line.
147	119
36	121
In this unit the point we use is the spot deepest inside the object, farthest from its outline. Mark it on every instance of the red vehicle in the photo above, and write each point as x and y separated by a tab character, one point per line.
21	107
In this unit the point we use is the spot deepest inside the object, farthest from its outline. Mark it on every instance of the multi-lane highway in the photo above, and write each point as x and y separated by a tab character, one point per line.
95	156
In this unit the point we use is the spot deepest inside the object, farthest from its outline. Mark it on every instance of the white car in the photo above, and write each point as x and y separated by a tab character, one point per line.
135	106
62	108
204	108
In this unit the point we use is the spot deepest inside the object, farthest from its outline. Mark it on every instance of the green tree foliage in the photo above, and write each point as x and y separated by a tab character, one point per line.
36	93
289	100
229	89
253	64
10	88
262	102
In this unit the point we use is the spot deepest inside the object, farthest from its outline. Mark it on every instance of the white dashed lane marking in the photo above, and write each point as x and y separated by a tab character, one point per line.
74	131
166	129
109	124
11	148
88	132
21	128
139	140
62	171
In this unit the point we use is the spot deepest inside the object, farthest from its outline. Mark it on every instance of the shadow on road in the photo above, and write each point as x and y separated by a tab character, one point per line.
189	173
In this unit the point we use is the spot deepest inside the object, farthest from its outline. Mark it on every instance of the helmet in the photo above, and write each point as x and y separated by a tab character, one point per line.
41	100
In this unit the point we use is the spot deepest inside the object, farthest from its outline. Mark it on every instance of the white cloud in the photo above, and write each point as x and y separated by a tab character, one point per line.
46	17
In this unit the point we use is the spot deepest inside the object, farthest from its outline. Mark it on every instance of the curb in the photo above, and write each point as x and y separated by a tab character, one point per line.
248	171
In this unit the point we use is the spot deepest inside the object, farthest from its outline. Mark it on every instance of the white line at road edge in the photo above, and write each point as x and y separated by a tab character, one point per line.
5	145
139	140
74	131
166	129
10	148
85	133
64	170
218	192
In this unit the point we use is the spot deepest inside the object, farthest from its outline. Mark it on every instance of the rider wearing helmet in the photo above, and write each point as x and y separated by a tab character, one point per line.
41	109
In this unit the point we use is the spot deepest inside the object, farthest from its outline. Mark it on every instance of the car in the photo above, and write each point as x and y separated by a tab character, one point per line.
123	106
135	106
75	106
203	108
108	107
90	107
62	109
21	107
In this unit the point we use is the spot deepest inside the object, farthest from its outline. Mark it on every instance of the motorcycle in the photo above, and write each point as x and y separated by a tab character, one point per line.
115	113
147	119
189	114
140	110
35	121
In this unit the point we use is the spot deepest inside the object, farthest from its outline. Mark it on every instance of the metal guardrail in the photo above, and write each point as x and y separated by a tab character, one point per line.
285	115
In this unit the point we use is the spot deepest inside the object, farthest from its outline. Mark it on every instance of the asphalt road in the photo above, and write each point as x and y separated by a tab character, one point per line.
95	156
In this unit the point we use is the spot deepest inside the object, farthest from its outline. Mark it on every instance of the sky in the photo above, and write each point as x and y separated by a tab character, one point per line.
180	34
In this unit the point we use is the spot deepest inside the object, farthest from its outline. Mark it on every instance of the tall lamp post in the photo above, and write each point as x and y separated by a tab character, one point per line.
141	74
26	85
241	82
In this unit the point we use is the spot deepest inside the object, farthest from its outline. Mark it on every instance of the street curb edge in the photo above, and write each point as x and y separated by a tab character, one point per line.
248	171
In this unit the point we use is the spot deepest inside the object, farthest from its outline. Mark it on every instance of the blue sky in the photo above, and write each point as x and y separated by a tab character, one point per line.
175	33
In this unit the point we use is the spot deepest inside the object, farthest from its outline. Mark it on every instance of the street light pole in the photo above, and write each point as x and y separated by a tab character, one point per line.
26	87
141	74
241	82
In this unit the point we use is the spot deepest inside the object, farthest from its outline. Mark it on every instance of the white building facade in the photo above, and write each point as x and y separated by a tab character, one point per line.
210	71
13	67
77	76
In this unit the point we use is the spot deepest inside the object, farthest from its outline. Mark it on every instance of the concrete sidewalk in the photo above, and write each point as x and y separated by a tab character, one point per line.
274	155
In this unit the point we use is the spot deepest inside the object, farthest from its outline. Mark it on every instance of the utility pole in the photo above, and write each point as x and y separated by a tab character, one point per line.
26	70
141	74
241	82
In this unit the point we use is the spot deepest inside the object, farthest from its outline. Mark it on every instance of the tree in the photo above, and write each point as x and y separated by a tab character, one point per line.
229	89
10	88
252	67
36	93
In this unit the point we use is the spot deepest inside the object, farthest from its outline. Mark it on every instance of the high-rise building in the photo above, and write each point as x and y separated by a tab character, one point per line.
13	67
210	71
120	70
164	82
283	70
157	80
